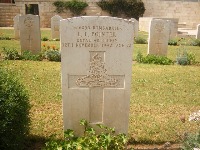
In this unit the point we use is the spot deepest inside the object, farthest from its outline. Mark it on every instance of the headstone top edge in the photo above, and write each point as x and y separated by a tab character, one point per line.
95	17
56	16
31	15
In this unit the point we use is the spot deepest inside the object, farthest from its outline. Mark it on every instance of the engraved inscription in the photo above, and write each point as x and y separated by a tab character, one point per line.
159	46
98	76
159	27
56	28
96	36
28	21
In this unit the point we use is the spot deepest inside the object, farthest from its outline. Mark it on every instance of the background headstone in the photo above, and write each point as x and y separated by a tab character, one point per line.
96	71
16	26
144	24
55	27
158	37
30	36
136	26
198	32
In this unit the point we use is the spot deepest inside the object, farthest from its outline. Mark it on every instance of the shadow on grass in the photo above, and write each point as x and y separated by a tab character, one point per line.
34	142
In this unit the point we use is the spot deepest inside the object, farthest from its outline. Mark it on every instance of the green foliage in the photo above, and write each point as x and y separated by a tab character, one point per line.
53	55
60	6
195	42
130	8
182	60
5	38
45	39
27	55
173	42
191	141
10	53
14	112
139	57
185	58
105	140
140	40
49	54
191	59
75	6
153	59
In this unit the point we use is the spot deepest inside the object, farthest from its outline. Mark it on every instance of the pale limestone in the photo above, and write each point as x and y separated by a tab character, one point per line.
198	32
96	71
30	36
158	37
55	27
16	26
136	26
144	23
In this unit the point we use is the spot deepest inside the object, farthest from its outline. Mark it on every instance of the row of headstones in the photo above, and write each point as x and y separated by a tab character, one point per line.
96	64
55	23
28	27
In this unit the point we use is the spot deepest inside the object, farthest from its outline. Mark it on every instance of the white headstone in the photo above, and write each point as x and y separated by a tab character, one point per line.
136	26
96	71
172	30
144	24
30	36
158	37
16	26
198	32
55	27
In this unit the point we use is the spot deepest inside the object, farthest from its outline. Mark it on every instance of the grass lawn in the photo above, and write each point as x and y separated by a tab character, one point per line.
161	94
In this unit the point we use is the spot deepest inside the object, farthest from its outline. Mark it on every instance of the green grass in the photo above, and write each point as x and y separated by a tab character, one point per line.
7	32
160	96
172	51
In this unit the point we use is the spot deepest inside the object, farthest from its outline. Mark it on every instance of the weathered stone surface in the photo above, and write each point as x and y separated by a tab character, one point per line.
55	26
30	36
16	26
198	32
158	37
136	26
96	71
144	24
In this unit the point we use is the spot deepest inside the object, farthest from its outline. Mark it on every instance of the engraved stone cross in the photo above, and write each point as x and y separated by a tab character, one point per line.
159	27
97	80
159	46
29	39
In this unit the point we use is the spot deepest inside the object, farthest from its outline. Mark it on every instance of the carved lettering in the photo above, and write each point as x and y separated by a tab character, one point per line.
88	36
86	45
83	40
106	28
67	44
101	34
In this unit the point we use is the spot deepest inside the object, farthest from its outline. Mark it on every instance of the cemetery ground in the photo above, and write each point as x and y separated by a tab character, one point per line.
162	97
